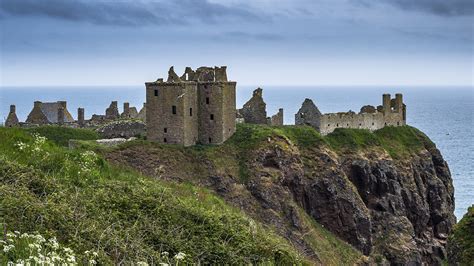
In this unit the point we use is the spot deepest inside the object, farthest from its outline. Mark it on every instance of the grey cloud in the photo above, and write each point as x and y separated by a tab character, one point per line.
239	35
127	13
437	7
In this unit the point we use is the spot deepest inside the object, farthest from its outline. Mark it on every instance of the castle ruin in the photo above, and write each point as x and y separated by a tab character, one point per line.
254	111
49	113
392	112
198	107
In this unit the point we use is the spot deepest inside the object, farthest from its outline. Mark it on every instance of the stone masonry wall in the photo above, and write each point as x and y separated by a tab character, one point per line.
162	125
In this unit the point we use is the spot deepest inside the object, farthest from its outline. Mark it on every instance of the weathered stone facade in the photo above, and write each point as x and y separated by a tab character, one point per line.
112	112
195	108
309	115
277	119
49	113
392	113
12	118
254	110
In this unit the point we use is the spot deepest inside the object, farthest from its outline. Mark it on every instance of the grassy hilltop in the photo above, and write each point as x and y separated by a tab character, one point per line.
89	205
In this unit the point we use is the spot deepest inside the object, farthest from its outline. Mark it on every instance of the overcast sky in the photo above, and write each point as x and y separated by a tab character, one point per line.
263	42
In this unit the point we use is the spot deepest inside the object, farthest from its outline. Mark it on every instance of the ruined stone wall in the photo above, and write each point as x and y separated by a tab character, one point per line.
392	113
308	115
36	116
254	110
12	118
162	125
370	121
277	119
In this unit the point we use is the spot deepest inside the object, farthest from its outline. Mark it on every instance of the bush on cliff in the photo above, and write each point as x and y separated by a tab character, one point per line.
461	241
87	205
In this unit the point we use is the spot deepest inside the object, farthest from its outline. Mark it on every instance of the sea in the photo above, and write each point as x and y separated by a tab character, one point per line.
445	114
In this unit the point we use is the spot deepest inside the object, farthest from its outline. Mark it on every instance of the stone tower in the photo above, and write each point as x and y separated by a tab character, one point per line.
12	119
193	108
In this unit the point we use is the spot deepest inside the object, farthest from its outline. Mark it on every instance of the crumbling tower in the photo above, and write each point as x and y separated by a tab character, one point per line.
80	117
12	119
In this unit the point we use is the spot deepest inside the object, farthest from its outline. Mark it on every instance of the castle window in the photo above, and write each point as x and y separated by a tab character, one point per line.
190	111
164	140
210	140
165	130
337	124
372	123
174	109
385	123
360	124
207	100
398	123
156	92
347	124
212	116
329	124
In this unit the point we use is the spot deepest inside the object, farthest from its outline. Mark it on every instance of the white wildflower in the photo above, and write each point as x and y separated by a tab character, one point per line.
8	248
142	263
180	256
164	264
93	262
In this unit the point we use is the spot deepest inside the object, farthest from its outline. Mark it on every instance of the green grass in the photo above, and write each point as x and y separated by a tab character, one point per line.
62	135
89	205
399	142
462	239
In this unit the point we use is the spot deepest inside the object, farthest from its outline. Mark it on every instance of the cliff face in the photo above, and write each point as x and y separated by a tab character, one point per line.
396	210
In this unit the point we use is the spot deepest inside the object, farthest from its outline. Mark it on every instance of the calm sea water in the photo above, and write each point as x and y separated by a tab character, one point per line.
445	114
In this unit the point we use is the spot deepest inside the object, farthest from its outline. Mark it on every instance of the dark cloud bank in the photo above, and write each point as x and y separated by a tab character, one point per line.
436	7
126	13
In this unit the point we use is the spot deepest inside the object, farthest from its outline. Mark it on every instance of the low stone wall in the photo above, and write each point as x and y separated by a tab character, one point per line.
122	129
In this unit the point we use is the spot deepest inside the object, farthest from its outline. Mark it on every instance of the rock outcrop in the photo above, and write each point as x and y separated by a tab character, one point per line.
397	210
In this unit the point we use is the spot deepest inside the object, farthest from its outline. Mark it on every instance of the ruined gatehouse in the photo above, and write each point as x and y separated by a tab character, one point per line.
198	107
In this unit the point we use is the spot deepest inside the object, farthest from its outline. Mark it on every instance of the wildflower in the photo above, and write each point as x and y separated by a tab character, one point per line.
164	254
142	263
164	264
180	256
8	248
93	262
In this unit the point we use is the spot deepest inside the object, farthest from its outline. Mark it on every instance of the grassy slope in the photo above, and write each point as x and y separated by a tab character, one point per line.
122	214
463	238
89	205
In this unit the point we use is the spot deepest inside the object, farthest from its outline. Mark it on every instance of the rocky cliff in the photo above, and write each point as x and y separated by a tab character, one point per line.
389	194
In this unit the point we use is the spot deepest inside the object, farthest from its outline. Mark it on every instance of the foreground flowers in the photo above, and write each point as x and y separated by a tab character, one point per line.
33	249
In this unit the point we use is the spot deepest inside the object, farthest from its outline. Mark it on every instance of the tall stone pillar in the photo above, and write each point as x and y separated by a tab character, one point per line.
398	102
80	116
60	115
386	103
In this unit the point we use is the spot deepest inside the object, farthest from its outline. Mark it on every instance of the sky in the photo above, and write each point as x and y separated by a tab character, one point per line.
263	42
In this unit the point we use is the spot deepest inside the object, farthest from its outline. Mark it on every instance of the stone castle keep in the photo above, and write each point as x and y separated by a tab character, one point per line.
199	107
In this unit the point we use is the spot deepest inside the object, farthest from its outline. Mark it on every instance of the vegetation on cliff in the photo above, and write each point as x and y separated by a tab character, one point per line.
461	241
87	205
286	178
